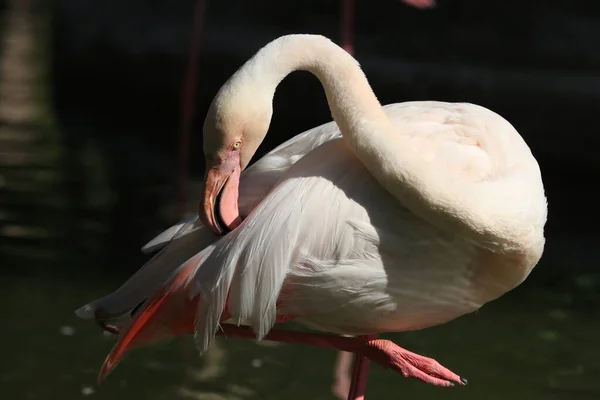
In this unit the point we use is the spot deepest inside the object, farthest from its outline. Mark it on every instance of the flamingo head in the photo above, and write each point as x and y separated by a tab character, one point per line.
234	128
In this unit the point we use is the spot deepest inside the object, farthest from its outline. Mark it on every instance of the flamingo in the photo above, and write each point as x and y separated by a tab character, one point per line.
387	219
341	385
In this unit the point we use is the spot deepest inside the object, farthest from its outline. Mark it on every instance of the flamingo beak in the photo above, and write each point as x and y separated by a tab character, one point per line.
218	172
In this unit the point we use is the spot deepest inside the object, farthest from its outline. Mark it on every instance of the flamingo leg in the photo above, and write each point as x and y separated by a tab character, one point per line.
188	92
360	373
346	25
383	352
342	376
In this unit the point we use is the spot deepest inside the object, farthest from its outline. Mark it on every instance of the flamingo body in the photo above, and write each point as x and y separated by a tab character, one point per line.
389	219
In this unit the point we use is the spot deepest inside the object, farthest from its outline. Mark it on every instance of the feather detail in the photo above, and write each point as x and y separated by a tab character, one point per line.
185	243
167	313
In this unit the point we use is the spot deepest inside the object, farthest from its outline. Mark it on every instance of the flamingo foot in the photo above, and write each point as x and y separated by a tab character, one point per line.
411	365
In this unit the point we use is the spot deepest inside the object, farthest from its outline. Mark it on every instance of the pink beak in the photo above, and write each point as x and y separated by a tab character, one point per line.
219	207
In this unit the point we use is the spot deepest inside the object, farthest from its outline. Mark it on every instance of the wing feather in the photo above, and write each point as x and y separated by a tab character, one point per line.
187	238
318	223
332	236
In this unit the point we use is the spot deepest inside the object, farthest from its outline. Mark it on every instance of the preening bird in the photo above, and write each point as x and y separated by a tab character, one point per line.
386	219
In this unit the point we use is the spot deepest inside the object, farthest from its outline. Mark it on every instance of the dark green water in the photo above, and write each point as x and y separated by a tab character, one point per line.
532	344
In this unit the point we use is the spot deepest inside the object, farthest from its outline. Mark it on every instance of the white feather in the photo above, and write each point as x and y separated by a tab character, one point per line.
423	212
342	254
187	238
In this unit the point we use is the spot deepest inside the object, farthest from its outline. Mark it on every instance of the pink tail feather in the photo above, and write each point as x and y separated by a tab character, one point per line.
167	313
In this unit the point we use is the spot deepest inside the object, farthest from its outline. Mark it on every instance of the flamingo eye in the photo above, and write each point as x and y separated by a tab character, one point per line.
236	145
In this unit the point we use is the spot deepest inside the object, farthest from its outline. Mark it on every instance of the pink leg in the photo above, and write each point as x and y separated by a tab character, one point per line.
346	22
187	101
360	373
383	352
342	376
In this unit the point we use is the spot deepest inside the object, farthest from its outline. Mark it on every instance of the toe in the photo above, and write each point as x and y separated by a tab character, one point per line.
433	368
413	372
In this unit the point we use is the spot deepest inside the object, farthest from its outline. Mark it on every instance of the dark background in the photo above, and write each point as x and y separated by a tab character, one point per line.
89	176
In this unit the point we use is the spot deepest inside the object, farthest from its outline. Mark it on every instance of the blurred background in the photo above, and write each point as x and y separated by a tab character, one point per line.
90	122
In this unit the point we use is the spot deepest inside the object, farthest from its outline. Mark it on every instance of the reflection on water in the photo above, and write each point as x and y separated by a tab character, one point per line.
71	225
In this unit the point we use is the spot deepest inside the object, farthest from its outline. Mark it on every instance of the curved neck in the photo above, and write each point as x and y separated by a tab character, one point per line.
448	203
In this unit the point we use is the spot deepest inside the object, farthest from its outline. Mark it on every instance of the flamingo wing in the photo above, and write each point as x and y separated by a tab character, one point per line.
327	238
257	180
326	245
185	239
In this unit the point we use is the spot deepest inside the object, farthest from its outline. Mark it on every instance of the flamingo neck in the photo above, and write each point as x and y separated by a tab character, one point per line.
452	204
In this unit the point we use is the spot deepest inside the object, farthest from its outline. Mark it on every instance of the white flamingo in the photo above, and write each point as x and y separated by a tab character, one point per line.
389	219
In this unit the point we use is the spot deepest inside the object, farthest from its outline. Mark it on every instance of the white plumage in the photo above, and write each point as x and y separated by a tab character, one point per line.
421	212
353	258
